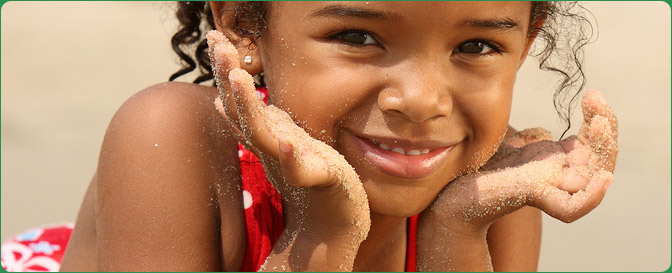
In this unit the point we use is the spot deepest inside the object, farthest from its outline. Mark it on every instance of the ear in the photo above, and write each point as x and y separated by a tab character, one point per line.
535	28
223	14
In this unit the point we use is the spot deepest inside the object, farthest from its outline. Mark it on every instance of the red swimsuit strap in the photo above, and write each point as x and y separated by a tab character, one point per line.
411	241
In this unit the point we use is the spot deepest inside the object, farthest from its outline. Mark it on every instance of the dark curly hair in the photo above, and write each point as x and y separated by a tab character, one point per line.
196	20
558	45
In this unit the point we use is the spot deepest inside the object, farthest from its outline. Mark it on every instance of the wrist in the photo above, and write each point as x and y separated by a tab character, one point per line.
452	247
454	223
340	239
307	250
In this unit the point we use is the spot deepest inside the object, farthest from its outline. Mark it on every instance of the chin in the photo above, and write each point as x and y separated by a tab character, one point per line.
397	209
398	201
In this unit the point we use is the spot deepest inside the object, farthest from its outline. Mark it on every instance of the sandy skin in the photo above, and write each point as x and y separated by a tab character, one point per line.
312	171
566	179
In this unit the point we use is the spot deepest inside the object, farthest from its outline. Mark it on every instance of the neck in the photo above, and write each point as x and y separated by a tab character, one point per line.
385	247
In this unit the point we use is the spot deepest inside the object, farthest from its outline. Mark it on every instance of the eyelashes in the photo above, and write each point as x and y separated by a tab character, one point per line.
478	47
360	38
355	38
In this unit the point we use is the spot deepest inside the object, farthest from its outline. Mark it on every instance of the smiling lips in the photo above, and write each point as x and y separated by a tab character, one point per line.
411	163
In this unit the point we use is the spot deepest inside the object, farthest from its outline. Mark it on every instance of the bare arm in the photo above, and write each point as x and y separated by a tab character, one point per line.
514	241
81	254
156	197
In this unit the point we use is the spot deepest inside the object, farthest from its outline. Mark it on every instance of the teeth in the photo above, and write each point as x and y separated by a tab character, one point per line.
413	152
400	150
385	147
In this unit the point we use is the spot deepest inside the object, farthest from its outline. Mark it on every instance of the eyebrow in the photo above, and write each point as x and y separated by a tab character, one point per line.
344	11
505	24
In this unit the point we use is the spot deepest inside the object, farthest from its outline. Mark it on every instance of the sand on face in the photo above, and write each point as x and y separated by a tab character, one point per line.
53	125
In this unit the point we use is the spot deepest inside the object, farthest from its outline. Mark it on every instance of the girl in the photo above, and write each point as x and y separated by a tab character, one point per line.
386	138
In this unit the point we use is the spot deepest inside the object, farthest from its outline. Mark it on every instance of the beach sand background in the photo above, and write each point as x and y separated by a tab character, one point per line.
67	66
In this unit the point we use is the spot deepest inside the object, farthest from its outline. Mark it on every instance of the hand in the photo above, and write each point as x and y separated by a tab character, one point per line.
565	179
325	203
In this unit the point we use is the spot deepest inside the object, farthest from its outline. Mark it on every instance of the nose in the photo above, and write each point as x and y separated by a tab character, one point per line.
417	97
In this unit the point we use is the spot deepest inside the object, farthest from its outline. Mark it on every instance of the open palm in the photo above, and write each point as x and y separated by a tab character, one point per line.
565	179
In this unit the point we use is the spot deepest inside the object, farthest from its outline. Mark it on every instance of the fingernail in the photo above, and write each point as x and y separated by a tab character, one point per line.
284	145
606	185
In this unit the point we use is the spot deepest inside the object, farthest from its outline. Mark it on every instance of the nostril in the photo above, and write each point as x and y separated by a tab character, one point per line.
394	113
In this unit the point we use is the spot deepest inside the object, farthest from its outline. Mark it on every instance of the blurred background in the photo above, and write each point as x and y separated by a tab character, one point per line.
67	66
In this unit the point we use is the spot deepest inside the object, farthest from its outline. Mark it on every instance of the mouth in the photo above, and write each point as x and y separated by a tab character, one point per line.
402	158
400	150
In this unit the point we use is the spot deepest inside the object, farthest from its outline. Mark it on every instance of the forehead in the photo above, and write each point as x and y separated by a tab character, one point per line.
443	12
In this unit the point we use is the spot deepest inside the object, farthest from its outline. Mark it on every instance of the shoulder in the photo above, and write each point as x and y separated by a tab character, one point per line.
169	125
167	104
170	116
166	155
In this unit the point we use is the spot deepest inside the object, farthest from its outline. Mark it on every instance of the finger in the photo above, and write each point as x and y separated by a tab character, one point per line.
567	207
489	195
214	37
594	104
299	167
251	114
237	134
220	108
577	174
223	56
223	59
603	144
575	179
543	150
577	153
522	147
528	136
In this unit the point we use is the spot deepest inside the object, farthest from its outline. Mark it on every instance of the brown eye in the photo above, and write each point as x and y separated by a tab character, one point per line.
475	47
356	38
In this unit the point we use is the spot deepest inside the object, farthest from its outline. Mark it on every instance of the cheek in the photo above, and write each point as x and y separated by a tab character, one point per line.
318	95
486	106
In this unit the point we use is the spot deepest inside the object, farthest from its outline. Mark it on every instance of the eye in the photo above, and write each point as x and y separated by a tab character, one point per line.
477	47
355	37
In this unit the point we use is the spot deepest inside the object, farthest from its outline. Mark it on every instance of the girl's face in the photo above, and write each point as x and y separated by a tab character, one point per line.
412	94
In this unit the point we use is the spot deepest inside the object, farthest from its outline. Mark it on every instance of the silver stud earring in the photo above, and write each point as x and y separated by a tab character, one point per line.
247	59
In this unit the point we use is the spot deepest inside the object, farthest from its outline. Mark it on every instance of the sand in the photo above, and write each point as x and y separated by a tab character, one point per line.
58	99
